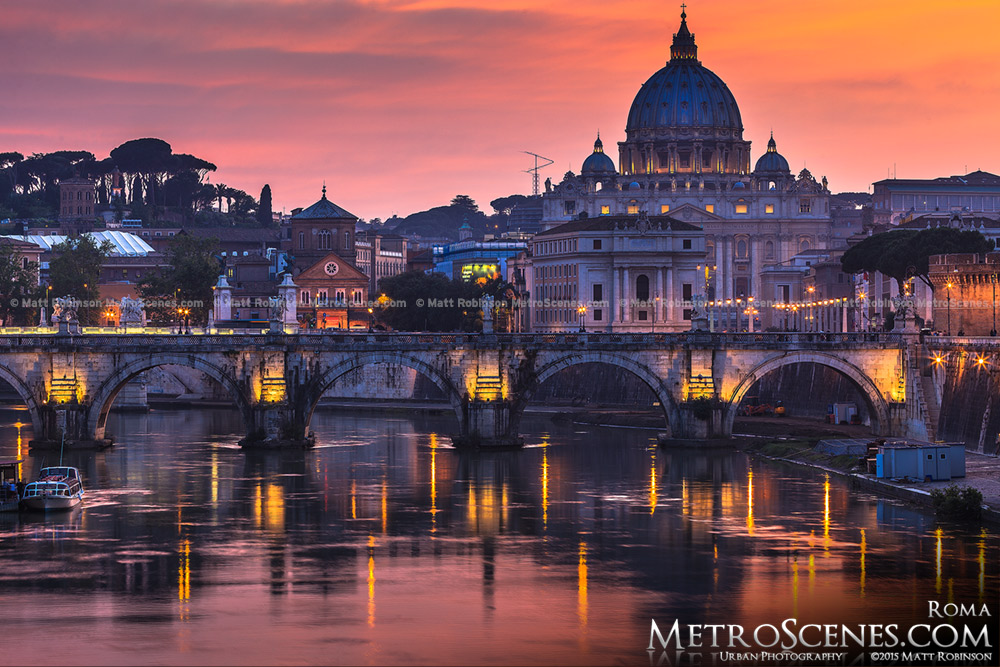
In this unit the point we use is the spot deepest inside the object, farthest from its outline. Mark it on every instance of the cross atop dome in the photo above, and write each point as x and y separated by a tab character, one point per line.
683	47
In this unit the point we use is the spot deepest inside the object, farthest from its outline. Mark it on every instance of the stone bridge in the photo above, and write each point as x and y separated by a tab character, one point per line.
69	382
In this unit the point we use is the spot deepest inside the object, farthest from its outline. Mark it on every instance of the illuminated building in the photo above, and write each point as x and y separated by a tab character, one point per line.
684	157
976	193
473	260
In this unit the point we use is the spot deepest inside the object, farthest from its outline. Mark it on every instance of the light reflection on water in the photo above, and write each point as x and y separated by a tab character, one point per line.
388	546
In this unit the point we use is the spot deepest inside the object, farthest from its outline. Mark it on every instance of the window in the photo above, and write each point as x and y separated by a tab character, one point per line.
643	315
356	294
324	239
642	287
347	240
768	208
803	245
321	296
605	210
302	240
769	250
741	249
741	206
805	206
340	296
633	209
664	208
771	185
598	292
686	291
686	244
569	207
598	315
124	274
710	208
304	297
597	244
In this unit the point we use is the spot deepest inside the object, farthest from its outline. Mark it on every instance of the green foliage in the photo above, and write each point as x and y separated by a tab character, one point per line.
466	203
186	280
958	503
265	216
76	271
904	254
504	205
17	284
432	303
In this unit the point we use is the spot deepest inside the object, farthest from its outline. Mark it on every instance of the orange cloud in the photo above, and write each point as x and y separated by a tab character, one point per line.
399	105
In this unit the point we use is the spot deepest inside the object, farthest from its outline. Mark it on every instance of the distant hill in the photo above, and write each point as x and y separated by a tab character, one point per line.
442	221
856	198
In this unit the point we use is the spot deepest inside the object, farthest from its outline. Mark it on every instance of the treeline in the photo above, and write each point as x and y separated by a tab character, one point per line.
142	178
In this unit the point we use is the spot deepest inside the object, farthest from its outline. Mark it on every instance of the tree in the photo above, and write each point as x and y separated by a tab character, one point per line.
504	205
904	254
186	280
465	202
146	158
265	216
18	285
76	271
426	302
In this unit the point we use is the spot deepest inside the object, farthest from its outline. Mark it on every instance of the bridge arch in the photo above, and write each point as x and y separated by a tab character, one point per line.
656	384
341	368
878	407
28	396
104	397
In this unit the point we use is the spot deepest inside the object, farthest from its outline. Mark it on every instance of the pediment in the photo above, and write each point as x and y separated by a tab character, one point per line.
693	214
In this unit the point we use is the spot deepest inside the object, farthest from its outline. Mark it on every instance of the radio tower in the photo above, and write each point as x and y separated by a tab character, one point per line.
534	170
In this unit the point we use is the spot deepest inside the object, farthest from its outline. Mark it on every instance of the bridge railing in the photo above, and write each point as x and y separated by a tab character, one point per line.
104	337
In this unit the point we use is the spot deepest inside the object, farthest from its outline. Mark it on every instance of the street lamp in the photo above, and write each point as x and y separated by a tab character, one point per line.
582	312
371	320
949	307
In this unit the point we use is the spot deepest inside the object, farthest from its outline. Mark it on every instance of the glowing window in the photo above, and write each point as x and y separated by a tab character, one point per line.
768	208
633	209
741	207
710	208
665	208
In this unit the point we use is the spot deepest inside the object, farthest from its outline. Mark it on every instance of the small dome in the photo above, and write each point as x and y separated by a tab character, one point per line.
598	162
634	186
772	161
738	185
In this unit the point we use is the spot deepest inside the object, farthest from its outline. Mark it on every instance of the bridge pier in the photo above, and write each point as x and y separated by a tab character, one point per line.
701	419
277	426
488	424
65	425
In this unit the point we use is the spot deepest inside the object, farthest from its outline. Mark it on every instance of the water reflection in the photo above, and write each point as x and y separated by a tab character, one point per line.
392	547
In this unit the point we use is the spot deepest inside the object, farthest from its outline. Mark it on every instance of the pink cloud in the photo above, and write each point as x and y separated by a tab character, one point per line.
401	105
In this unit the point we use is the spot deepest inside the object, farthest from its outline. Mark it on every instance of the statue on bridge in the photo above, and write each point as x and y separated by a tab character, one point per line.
277	307
64	315
132	312
699	313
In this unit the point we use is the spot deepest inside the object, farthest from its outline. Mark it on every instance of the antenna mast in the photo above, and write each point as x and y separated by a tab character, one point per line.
535	169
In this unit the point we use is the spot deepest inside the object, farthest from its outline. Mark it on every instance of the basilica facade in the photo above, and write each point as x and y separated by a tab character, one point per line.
684	157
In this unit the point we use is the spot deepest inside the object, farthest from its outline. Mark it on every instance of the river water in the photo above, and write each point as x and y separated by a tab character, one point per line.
385	545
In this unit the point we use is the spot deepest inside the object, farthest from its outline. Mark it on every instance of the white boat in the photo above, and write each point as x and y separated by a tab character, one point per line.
57	488
10	500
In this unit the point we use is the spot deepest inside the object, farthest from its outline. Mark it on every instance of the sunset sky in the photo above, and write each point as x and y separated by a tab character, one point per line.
401	104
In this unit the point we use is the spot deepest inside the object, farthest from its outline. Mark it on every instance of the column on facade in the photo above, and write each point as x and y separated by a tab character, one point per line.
668	294
626	297
659	292
616	304
718	267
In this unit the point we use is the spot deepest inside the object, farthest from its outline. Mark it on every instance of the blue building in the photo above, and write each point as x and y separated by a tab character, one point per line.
471	260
